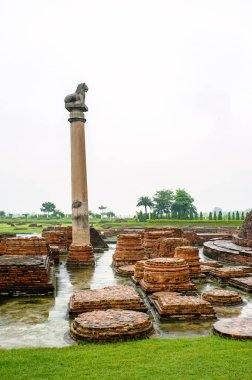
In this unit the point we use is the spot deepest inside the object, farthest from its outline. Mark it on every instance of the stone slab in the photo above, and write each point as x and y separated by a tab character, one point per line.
237	328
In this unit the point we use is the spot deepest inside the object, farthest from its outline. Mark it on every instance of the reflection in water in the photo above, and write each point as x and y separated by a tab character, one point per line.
41	321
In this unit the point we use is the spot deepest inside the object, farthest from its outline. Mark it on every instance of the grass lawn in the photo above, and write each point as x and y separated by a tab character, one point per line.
22	225
153	359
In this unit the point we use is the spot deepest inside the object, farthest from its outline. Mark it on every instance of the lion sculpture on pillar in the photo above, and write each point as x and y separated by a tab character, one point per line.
76	101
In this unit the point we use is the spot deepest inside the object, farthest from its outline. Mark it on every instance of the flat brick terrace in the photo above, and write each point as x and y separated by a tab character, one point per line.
116	297
228	251
226	273
25	275
238	328
243	283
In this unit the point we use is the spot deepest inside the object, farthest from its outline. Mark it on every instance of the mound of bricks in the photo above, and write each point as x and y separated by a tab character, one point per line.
56	238
166	274
205	269
173	307
151	237
21	275
25	246
243	283
54	253
111	325
165	247
211	263
154	296
68	234
112	297
126	270
224	274
173	231
129	250
237	328
80	255
222	297
139	271
191	256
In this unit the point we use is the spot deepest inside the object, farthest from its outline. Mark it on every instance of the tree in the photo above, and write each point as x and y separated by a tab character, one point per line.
201	215
48	208
58	214
237	216
141	217
2	214
110	214
233	215
220	215
229	215
215	215
217	210
162	201
242	215
183	205
102	208
145	202
210	216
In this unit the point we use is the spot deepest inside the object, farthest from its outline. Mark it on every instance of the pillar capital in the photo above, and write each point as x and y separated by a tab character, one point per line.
76	115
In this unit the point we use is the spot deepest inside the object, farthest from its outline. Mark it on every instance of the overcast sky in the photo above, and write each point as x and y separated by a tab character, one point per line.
170	100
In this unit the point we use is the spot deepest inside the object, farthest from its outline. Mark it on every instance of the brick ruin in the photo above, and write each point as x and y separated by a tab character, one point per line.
25	275
166	274
237	249
111	325
112	297
62	237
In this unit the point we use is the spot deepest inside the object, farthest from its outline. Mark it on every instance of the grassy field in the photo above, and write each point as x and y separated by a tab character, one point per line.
208	358
23	225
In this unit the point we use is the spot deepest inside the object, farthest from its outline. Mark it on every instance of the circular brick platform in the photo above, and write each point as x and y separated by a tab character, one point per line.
111	325
222	297
239	328
125	270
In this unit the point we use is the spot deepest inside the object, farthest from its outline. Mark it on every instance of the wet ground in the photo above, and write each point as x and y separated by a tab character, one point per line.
42	321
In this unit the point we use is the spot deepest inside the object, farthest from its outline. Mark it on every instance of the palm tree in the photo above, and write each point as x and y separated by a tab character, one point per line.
102	208
145	202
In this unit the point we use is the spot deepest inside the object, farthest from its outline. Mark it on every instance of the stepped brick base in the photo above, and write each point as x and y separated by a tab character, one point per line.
191	256
125	270
80	255
128	250
173	307
166	274
243	283
222	297
111	297
111	325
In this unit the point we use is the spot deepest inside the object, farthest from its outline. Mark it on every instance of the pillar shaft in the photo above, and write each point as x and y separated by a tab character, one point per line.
80	234
80	251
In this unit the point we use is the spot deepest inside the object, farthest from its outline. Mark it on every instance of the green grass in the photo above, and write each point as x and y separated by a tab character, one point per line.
171	222
21	225
177	359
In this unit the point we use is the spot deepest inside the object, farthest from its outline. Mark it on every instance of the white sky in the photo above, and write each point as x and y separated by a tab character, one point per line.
170	95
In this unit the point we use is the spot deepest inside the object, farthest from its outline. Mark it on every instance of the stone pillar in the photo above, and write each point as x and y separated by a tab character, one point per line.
80	251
